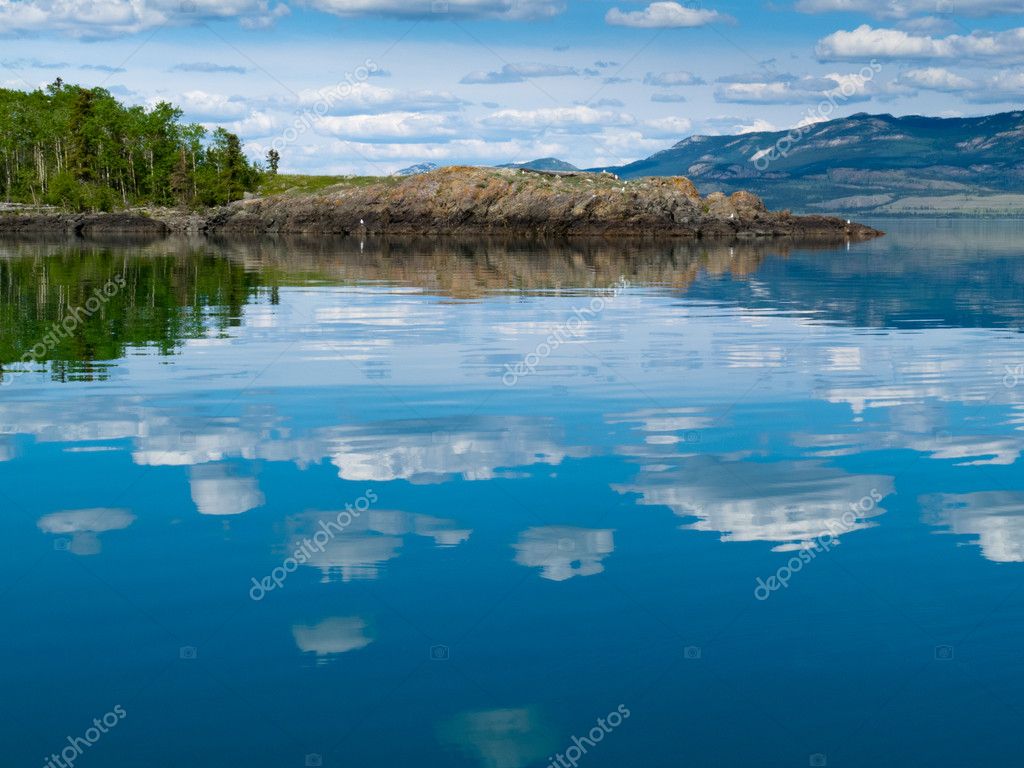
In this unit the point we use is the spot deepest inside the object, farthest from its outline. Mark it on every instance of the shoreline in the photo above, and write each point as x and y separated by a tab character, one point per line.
477	202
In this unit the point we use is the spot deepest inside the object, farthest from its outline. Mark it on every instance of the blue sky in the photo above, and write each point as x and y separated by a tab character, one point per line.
370	86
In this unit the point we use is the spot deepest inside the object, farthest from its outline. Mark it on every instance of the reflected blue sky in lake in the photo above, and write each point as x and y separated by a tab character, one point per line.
537	554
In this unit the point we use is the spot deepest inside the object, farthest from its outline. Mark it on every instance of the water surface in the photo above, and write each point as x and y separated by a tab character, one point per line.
455	502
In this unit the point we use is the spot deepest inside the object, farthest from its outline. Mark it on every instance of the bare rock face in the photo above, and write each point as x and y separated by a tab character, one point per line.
747	203
491	201
83	224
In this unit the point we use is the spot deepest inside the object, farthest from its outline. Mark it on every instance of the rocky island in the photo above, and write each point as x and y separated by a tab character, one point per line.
470	201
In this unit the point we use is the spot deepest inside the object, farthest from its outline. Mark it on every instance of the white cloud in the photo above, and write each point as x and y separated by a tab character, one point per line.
257	124
340	634
218	491
995	517
866	42
559	118
340	156
788	503
562	552
391	126
1004	87
664	15
758	126
787	89
201	105
486	9
936	79
83	525
668	127
109	18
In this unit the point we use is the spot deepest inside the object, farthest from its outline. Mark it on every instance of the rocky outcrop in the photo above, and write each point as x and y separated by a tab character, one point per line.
488	201
512	201
82	224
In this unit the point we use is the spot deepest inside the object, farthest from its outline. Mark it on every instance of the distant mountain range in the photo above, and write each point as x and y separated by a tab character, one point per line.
876	164
858	165
544	164
416	170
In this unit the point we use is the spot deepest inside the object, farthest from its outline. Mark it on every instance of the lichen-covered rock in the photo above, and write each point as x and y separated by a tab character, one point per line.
747	203
461	200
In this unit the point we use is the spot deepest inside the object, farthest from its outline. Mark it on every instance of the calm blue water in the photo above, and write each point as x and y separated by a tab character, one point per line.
767	501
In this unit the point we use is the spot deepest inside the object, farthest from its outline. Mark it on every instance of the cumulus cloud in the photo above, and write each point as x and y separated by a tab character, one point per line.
202	105
484	9
257	124
672	79
579	118
867	42
664	15
778	89
517	73
333	636
391	127
731	125
782	88
562	553
902	9
84	525
667	127
758	126
936	79
1004	87
92	19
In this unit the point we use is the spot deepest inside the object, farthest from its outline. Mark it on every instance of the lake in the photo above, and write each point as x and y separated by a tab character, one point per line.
479	503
